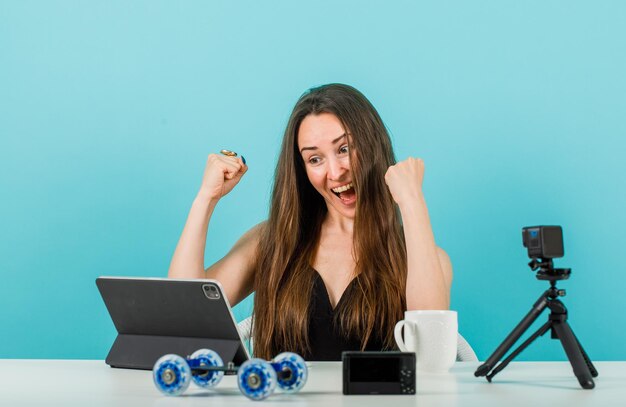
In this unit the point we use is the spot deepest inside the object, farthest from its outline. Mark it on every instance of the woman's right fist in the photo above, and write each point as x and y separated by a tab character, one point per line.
221	174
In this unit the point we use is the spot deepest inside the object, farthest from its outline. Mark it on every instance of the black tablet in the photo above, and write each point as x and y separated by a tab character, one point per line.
156	316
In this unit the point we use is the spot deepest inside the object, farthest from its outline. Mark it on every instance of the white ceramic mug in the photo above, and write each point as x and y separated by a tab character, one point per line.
432	335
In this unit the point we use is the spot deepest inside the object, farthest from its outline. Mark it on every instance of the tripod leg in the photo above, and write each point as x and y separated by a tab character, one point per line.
573	351
590	365
544	328
517	332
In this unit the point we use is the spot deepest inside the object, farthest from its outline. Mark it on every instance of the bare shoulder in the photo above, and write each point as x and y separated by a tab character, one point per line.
251	238
235	270
446	265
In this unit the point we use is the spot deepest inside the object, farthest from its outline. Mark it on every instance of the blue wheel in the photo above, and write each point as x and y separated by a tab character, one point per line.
291	371
256	379
171	375
207	357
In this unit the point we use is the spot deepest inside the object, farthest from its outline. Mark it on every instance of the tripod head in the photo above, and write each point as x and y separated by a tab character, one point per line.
547	270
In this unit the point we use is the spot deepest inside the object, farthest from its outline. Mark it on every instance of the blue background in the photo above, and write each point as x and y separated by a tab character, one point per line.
109	109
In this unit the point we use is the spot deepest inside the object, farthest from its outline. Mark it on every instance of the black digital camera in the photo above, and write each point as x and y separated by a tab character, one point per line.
378	372
543	242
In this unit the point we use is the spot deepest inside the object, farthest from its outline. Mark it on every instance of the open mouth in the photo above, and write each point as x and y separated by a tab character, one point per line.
346	193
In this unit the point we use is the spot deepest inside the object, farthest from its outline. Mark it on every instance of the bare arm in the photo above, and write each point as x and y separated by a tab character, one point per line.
429	274
429	269
188	259
233	271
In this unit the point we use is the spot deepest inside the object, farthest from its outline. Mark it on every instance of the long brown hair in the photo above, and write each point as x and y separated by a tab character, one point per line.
283	273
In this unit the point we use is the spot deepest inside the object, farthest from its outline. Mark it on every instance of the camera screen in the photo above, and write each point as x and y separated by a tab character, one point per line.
375	369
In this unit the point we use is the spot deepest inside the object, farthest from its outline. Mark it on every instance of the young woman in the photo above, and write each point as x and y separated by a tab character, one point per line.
348	245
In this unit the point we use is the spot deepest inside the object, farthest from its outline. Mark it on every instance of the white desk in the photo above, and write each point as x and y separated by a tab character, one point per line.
92	383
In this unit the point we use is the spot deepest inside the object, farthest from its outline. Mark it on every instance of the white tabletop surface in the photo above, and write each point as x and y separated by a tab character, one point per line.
92	383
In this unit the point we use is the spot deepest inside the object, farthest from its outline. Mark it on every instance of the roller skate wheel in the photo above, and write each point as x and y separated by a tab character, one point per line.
292	371
207	357
256	379
171	375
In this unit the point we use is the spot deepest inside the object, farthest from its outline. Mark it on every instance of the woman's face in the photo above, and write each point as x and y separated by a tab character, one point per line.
323	144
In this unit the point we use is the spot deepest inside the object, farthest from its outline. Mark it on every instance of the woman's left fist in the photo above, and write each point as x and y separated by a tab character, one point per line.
404	180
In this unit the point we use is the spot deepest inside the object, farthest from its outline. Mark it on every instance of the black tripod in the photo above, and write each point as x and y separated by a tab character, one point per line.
557	323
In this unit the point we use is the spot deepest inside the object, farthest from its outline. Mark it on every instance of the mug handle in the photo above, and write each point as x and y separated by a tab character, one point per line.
397	332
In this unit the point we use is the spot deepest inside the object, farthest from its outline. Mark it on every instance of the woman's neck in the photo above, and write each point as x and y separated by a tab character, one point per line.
337	223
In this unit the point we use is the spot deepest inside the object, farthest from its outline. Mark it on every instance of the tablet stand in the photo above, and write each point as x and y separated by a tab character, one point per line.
142	351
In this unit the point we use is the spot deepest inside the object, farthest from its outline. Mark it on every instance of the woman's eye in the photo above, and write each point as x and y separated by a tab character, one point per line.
314	160
343	149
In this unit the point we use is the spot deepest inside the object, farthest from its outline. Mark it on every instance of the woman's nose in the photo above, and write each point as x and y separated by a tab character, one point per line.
336	169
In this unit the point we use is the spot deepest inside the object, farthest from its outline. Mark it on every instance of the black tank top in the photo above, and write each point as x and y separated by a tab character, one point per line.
325	337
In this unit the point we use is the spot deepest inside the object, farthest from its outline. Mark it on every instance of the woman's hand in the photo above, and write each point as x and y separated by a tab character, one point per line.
221	174
404	180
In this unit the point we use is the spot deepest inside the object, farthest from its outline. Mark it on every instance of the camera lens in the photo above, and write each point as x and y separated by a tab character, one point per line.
213	288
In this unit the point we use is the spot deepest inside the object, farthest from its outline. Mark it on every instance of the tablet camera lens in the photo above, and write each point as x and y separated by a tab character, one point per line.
211	292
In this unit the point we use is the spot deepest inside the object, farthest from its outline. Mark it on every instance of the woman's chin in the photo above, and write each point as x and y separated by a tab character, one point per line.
344	208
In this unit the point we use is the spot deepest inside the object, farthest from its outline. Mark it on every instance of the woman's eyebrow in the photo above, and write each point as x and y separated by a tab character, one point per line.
335	141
